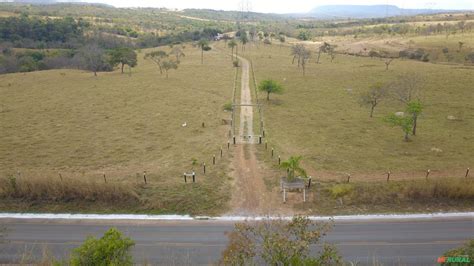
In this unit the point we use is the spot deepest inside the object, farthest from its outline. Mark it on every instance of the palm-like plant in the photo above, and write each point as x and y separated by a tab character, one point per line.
203	44
244	40
293	166
232	44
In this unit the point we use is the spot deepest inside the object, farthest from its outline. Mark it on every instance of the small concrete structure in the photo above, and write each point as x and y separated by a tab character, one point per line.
192	174
297	183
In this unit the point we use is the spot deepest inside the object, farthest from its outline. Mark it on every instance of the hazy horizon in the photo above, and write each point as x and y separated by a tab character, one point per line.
296	6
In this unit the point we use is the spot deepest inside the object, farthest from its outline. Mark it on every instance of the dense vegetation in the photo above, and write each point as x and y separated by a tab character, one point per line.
25	31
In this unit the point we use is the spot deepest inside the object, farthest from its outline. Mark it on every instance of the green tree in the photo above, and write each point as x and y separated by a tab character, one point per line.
158	57
304	35
168	65
244	40
373	96
203	44
270	86
282	40
232	44
414	108
123	56
279	242
110	249
404	122
293	166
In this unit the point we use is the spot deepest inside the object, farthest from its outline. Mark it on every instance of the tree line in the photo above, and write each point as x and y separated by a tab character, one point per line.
71	43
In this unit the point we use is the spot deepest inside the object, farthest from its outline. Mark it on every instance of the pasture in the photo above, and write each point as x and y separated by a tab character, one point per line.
71	123
320	118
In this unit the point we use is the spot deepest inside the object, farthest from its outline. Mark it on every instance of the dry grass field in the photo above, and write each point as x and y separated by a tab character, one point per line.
70	122
319	117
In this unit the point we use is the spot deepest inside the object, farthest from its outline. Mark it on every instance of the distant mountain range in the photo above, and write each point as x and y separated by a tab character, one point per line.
366	11
321	12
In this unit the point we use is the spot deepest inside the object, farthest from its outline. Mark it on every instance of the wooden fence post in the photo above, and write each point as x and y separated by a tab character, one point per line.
228	144
213	159
221	151
144	177
204	167
234	140
427	173
194	177
184	175
105	179
388	176
467	172
279	160
266	145
309	182
348	178
272	152
60	177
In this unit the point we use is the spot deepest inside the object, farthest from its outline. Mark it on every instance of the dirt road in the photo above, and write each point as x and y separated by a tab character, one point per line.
250	194
246	112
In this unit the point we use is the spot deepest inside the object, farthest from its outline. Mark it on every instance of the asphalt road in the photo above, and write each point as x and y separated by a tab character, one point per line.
415	242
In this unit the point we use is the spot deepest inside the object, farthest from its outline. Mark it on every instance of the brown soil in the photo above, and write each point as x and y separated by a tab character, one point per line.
250	195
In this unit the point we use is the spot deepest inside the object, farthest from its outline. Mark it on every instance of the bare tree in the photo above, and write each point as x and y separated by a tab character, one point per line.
93	58
387	62
460	44
301	53
373	96
406	88
157	57
325	48
178	53
305	56
296	53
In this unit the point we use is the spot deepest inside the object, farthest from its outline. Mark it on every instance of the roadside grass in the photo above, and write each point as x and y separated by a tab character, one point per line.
319	117
81	126
208	196
441	194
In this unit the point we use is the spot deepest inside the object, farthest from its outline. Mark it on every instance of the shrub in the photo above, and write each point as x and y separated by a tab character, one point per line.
111	249
340	190
279	242
228	107
470	58
236	63
465	251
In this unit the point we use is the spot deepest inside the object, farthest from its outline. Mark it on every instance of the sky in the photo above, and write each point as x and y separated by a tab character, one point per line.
285	6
